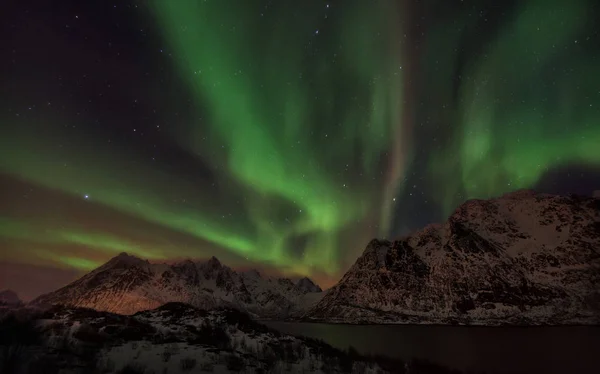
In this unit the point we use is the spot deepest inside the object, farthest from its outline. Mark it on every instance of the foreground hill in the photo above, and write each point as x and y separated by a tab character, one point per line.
523	258
175	338
127	284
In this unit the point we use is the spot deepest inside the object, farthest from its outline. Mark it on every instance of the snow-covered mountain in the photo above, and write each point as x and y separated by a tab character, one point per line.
523	258
127	284
9	298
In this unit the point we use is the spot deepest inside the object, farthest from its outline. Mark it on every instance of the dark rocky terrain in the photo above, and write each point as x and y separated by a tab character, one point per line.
174	338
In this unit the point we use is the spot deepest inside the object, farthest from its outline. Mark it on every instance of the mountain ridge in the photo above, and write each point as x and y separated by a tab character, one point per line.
522	258
127	284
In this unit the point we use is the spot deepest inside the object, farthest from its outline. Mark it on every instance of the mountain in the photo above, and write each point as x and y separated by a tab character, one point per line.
174	338
307	285
9	298
127	284
523	258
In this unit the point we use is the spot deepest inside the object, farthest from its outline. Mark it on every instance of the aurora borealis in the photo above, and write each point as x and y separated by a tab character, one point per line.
280	135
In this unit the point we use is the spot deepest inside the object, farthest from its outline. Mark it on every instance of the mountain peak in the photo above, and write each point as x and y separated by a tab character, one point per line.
374	255
253	273
186	266
124	256
307	285
123	260
376	243
184	263
9	297
519	194
214	262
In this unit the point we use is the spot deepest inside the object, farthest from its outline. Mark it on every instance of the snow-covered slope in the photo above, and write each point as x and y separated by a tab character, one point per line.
127	284
174	338
523	258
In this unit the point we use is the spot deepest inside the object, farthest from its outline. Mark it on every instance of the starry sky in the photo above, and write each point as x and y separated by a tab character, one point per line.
278	135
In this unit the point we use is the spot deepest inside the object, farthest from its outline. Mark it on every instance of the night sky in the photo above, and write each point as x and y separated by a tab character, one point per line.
278	135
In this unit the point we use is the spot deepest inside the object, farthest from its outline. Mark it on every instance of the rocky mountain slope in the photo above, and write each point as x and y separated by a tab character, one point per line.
127	284
174	338
307	285
523	258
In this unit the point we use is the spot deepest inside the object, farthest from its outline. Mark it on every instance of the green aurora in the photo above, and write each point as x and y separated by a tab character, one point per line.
316	124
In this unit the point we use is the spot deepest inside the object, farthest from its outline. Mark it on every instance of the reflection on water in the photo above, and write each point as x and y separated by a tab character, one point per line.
549	350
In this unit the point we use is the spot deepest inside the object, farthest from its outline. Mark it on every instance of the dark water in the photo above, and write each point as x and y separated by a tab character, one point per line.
547	350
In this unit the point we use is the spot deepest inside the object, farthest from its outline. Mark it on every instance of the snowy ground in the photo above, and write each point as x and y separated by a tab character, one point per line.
175	338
